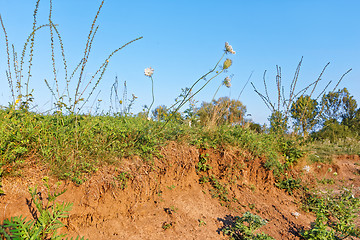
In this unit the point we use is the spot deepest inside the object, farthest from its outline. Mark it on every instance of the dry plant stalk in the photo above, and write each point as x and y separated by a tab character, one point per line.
284	105
16	84
73	102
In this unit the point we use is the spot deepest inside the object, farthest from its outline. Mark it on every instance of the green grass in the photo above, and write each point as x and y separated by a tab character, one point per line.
75	146
324	150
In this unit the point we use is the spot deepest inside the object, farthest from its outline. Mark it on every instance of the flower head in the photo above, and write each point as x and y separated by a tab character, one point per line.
149	71
227	63
306	168
227	82
229	49
295	214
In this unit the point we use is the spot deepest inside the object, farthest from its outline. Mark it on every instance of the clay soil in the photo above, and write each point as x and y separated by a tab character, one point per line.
166	200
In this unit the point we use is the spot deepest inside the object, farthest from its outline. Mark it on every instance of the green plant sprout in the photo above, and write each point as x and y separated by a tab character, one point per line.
47	219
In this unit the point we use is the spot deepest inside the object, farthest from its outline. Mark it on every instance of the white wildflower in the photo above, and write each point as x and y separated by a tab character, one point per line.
149	71
228	48
335	173
227	82
306	168
295	214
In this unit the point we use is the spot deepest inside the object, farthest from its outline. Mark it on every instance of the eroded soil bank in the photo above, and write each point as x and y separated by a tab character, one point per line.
172	199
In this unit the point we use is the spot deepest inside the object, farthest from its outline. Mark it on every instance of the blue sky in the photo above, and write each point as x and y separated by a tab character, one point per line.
182	40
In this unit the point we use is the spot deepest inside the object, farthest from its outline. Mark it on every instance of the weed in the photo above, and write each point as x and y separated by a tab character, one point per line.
326	181
123	178
289	184
202	164
201	222
171	187
47	217
335	215
219	190
203	179
291	151
167	225
244	227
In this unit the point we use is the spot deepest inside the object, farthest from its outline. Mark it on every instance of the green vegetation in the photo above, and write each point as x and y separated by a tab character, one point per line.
244	227
335	215
47	218
74	145
289	184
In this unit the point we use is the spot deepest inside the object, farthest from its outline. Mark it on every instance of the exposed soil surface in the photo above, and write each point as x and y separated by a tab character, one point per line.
167	200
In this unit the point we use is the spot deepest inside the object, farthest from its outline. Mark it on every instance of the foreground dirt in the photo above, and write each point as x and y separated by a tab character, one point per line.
165	200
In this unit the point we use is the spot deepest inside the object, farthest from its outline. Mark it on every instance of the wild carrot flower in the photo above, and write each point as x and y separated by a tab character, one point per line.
227	82
229	49
306	168
149	71
227	63
295	214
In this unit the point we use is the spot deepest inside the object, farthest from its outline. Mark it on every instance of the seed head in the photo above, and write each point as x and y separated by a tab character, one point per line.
227	63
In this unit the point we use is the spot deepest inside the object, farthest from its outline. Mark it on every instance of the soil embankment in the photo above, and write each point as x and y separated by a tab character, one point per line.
172	199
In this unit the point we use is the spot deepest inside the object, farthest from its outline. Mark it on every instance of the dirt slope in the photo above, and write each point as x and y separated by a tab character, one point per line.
165	200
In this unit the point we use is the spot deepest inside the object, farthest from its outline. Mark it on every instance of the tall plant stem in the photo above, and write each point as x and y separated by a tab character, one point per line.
153	97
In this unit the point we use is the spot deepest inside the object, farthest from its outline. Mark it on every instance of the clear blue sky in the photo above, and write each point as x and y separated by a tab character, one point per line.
184	39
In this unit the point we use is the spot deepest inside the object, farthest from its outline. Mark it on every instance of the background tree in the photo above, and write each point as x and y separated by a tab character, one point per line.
278	122
337	106
339	116
354	122
222	111
304	111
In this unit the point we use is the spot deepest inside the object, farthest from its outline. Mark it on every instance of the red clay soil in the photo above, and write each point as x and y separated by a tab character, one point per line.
166	200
